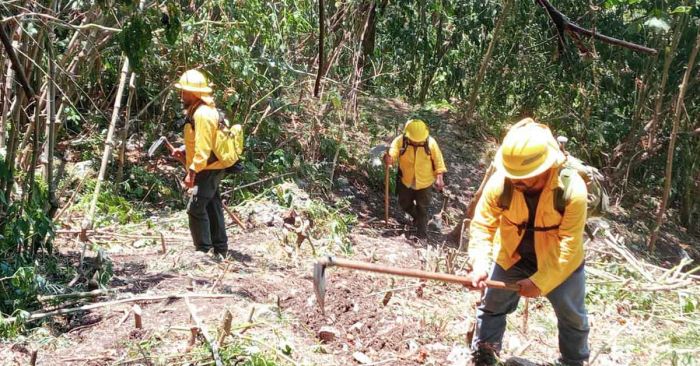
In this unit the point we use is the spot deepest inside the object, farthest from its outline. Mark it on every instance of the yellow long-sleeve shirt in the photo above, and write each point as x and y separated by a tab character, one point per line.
200	138
559	252
416	167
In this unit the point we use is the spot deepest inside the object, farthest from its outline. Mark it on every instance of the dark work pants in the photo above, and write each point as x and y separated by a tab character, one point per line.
569	307
415	203
206	213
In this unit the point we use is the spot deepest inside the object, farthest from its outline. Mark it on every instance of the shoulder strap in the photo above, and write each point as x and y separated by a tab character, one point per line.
506	195
560	193
426	146
189	117
404	145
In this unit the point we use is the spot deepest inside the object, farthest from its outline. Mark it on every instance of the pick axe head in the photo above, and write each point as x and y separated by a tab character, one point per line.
156	144
320	283
377	153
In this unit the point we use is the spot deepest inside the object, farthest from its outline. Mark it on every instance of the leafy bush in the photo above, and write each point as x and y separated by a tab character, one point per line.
110	208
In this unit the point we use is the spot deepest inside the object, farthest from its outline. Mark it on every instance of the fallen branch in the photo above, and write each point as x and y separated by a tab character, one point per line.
563	24
670	287
257	182
40	315
203	328
76	295
234	217
223	274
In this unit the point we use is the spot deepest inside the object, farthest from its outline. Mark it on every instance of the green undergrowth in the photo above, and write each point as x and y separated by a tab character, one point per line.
243	352
111	206
329	222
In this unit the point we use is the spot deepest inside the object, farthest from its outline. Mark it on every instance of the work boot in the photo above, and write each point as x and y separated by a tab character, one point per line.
484	357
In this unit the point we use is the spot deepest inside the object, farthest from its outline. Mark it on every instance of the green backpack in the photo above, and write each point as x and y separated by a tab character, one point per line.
598	199
229	143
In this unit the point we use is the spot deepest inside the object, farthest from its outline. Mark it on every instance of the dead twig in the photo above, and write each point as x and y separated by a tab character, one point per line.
249	324
216	283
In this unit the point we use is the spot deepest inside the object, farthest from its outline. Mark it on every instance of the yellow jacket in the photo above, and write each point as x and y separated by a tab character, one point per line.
559	251
200	138
416	168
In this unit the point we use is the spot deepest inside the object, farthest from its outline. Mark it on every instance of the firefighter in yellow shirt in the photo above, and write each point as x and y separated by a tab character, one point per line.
531	241
420	166
204	170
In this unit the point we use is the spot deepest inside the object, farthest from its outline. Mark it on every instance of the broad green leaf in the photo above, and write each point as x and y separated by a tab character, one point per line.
682	10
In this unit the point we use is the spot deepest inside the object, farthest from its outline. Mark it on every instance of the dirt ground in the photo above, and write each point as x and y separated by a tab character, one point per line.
371	319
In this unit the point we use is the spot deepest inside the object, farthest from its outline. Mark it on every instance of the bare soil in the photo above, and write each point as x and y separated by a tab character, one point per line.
388	321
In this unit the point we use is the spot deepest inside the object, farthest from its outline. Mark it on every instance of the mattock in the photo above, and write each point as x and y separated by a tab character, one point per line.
320	276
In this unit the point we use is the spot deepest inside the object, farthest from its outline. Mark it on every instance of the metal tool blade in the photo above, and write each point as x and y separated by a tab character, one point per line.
156	144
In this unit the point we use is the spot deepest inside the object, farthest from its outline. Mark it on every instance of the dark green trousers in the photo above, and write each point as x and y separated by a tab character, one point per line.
206	213
415	203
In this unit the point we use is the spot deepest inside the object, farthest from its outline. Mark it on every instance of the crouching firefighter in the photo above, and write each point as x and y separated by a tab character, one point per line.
211	149
533	212
420	165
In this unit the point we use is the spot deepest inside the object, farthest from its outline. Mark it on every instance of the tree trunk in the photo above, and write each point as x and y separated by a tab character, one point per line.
51	128
321	20
109	145
487	59
433	66
672	144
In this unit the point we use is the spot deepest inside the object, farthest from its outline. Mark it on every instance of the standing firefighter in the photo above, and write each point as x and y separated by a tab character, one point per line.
420	165
204	169
537	244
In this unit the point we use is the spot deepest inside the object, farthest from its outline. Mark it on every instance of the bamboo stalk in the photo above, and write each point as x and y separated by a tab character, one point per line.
138	321
7	90
213	345
225	326
125	131
668	57
109	145
41	315
75	295
672	144
51	126
321	34
487	59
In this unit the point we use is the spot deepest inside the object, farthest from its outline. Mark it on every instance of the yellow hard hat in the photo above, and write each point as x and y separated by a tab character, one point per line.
416	130
529	149
194	81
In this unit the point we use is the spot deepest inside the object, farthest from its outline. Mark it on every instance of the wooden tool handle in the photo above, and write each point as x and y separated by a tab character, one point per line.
386	194
169	145
415	273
